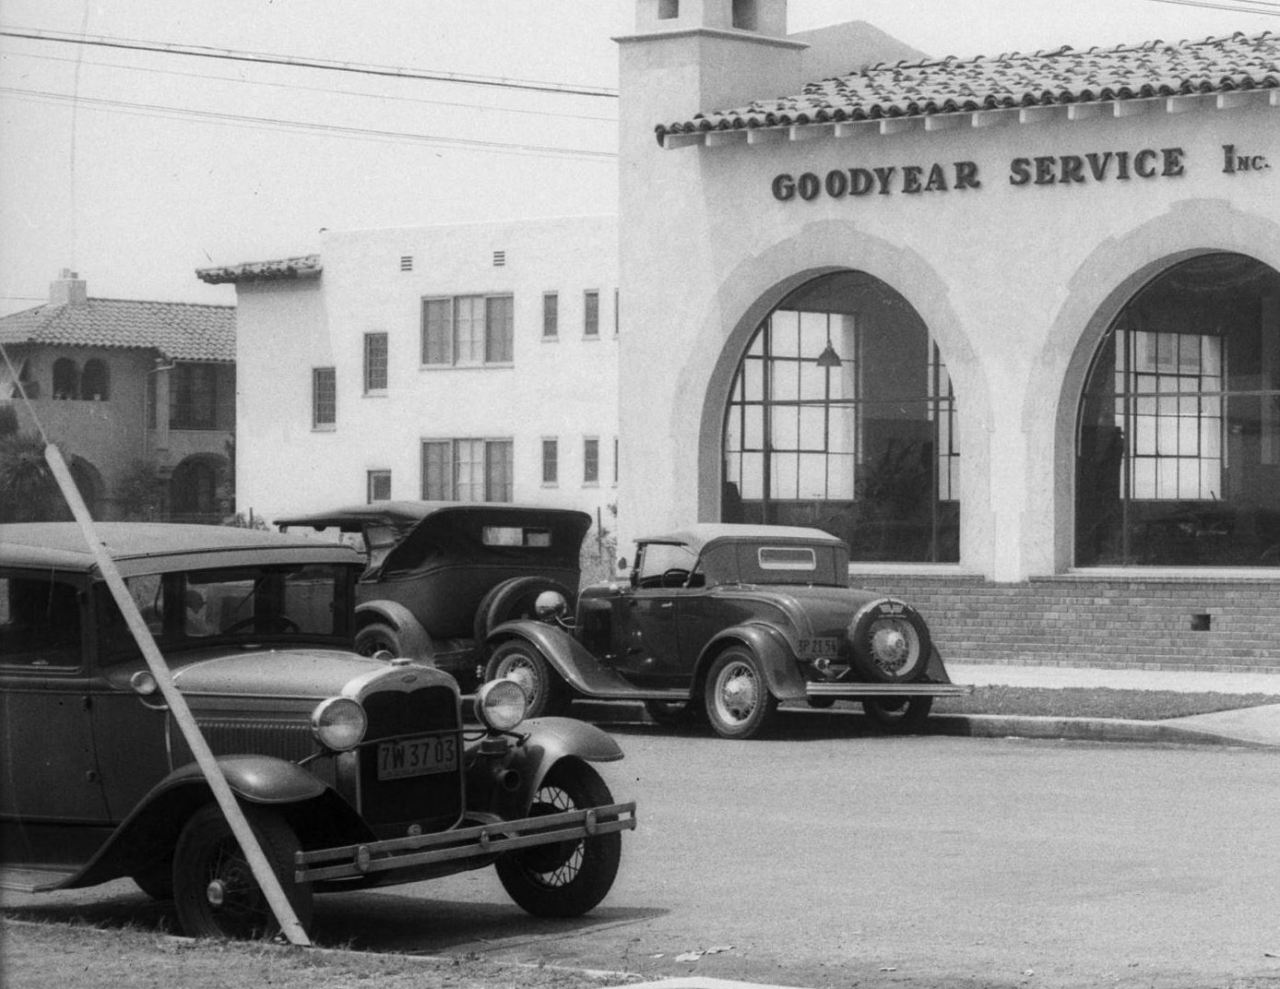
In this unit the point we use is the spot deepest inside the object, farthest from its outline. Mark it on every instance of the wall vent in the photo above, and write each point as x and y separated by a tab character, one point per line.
499	258
406	262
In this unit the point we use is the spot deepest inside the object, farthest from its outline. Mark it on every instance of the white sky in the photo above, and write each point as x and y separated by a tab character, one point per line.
135	196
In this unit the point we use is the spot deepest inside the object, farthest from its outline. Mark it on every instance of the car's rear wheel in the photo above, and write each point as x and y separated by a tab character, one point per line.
376	637
524	663
214	890
897	714
677	714
738	701
568	878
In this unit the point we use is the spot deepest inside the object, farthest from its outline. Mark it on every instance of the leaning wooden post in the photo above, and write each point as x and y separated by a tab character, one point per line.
262	871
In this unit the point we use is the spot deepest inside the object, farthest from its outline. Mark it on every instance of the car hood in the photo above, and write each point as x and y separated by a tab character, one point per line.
291	672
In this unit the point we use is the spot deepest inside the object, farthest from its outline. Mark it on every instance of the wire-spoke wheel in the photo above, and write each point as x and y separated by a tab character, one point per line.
738	701
567	878
524	663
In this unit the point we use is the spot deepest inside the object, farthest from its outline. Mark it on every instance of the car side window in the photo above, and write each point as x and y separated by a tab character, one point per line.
39	621
664	565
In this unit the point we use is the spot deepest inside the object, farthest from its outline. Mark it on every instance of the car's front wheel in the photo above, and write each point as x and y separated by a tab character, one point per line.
214	890
376	637
897	714
738	701
568	878
524	663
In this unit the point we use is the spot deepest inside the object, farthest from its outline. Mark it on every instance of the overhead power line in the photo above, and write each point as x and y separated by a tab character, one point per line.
1263	8
150	109
293	61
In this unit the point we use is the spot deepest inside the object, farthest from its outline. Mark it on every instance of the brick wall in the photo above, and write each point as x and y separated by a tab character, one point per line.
1151	623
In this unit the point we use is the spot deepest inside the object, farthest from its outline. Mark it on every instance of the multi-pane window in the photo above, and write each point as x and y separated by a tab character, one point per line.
467	330
467	470
375	363
193	396
324	397
550	461
591	313
550	315
590	460
377	485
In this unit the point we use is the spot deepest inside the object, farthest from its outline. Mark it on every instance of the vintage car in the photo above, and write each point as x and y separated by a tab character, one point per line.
441	575
724	622
353	771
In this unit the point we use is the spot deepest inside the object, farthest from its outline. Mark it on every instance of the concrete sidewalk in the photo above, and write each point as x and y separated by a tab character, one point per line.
1252	726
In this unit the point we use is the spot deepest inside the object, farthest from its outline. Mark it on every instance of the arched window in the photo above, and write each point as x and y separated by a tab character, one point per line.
94	383
842	416
1178	442
66	378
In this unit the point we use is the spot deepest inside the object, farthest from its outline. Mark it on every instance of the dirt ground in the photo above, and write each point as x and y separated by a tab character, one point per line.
59	956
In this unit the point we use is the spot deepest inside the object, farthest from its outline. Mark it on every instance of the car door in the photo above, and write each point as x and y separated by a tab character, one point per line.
50	770
647	646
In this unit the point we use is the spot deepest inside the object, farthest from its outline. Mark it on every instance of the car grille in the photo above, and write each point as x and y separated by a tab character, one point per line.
433	801
249	736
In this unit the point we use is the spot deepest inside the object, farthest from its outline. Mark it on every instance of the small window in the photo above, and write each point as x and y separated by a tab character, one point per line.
324	397
550	461
550	315
591	313
378	485
668	9
94	381
375	363
66	378
617	326
615	460
787	558
514	535
591	461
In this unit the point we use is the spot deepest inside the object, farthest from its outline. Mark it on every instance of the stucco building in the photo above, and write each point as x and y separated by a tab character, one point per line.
1010	325
138	395
473	362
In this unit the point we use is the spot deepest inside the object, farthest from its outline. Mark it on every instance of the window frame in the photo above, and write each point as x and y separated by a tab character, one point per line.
466	337
372	360
324	376
473	464
591	314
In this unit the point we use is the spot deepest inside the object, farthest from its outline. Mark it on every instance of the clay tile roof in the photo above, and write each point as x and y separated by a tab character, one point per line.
1064	75
304	266
180	331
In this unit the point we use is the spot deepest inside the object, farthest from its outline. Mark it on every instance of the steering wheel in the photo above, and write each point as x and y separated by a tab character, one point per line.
274	623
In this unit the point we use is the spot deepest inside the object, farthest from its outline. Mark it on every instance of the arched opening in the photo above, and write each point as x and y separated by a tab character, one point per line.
94	383
66	378
194	490
1178	432
841	415
88	483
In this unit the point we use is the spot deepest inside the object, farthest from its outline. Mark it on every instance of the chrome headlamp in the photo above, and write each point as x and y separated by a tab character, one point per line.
501	704
339	723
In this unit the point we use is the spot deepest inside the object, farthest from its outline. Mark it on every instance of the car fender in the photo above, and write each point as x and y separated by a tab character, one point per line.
566	654
781	671
548	741
414	639
151	830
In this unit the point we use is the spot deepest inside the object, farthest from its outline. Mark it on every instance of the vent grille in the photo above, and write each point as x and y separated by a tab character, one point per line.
249	736
499	258
406	262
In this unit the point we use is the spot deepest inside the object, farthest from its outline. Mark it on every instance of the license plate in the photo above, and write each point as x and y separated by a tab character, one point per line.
417	756
823	647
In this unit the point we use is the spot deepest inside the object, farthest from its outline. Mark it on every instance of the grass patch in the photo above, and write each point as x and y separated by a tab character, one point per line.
1096	702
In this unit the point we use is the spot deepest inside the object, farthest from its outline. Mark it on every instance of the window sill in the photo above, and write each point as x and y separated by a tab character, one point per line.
379	393
466	367
326	428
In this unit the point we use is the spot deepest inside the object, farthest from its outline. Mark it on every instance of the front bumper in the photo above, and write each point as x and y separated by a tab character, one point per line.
415	851
838	689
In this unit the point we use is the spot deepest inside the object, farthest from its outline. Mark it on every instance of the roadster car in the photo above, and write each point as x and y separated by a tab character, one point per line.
353	771
440	575
723	623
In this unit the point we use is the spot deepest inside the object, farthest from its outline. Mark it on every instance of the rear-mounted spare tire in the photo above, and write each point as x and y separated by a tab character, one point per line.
891	642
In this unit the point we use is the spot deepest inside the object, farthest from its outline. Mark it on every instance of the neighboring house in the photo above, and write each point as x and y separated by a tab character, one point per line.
473	362
129	390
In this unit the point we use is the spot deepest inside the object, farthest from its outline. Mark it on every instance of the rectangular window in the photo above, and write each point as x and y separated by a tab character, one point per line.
378	485
591	313
467	330
550	461
193	396
616	310
590	461
375	363
324	398
467	470
550	315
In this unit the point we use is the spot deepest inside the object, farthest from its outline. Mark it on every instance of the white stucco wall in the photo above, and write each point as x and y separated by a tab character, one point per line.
1016	283
564	389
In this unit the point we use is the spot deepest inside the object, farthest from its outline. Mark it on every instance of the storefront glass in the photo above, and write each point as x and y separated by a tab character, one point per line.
842	417
1178	446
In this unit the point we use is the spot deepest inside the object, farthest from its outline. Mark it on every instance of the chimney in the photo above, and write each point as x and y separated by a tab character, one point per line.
68	290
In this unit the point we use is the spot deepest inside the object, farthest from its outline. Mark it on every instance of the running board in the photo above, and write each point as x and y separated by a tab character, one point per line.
34	880
886	689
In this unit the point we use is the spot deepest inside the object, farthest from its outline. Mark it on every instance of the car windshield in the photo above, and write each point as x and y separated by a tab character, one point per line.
186	609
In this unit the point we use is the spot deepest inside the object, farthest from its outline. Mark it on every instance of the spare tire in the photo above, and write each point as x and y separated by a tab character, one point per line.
891	642
515	598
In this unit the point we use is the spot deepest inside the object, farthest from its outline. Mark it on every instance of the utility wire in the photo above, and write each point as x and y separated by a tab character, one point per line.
149	109
293	61
323	89
1261	8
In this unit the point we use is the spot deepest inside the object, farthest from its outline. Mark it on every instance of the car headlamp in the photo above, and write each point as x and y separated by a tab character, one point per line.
339	723
550	605
501	704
